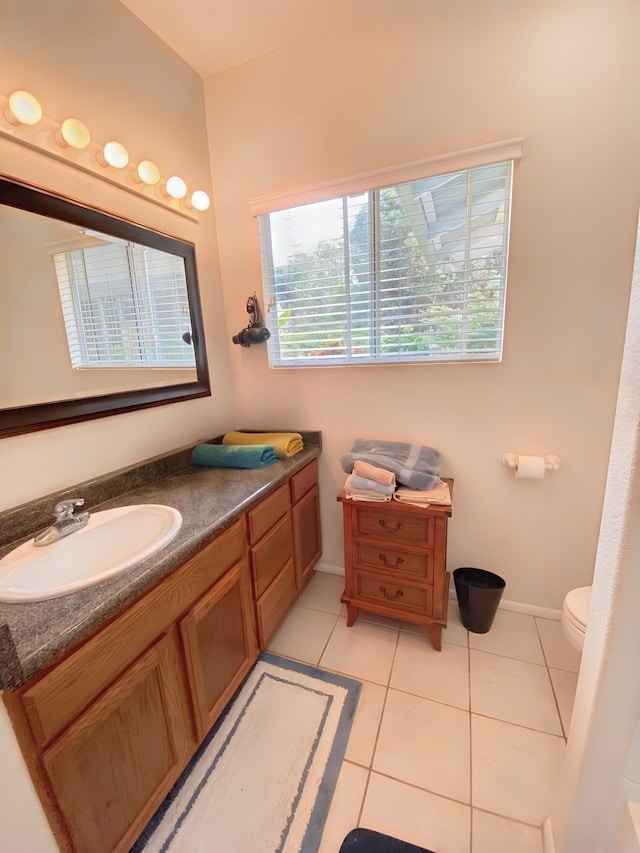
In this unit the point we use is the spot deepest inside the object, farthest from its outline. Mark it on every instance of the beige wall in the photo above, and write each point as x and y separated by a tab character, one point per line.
418	79
97	61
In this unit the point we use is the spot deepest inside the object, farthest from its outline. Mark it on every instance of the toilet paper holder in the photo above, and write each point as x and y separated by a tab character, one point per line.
551	462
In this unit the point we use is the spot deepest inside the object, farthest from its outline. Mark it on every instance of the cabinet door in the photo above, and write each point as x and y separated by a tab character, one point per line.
114	765
307	539
220	644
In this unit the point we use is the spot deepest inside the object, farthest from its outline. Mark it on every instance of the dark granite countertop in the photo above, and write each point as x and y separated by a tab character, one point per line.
35	635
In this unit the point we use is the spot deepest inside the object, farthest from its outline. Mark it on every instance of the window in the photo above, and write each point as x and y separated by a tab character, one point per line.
411	272
124	305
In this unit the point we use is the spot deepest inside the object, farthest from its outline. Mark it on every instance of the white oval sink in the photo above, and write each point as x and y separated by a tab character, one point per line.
112	541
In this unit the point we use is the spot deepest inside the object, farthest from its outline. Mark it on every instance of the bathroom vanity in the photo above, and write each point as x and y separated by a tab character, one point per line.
109	723
395	562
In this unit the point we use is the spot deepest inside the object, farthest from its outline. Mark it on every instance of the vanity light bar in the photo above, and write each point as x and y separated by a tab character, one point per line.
22	109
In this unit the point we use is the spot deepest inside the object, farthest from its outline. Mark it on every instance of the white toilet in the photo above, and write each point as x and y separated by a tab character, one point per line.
574	615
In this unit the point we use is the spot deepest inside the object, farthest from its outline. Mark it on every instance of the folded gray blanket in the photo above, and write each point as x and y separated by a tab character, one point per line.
414	465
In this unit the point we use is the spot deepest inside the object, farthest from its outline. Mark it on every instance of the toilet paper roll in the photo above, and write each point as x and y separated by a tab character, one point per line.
530	467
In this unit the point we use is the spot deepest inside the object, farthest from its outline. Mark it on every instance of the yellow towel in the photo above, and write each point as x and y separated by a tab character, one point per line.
284	443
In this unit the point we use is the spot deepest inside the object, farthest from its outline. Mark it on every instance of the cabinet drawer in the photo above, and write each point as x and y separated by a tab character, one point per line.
394	595
270	554
304	480
265	515
389	524
391	560
275	603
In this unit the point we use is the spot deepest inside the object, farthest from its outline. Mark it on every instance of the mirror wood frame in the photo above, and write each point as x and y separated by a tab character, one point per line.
40	416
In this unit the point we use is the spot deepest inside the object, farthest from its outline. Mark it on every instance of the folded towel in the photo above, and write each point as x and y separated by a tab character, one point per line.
248	456
363	494
415	466
423	497
370	485
373	472
284	443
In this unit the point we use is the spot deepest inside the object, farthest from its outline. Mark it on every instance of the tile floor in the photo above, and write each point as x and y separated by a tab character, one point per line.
456	751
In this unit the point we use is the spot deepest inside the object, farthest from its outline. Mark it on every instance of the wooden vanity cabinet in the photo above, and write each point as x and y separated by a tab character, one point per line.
285	545
107	731
117	761
272	569
220	645
395	562
305	514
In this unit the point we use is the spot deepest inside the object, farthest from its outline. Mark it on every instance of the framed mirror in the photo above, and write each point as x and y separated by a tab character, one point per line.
100	316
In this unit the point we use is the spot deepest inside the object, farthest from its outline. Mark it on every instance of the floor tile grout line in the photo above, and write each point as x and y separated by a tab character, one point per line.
565	733
470	749
387	686
379	727
427	790
324	648
373	754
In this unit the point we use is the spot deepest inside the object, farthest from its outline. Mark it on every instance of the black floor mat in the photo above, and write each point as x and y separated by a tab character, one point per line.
369	841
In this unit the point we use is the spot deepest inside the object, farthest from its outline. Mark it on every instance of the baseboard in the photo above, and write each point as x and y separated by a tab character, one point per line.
516	606
519	607
531	610
548	844
329	569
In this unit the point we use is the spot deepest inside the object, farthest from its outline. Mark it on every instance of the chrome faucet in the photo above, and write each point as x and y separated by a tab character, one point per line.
66	522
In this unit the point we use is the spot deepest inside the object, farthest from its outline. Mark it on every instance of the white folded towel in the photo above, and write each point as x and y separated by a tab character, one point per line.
364	483
439	494
363	494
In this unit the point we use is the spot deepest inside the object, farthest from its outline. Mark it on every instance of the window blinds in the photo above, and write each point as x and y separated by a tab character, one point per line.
406	272
124	305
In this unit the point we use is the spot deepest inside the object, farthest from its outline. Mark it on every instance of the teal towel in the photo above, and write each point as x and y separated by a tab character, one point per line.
236	456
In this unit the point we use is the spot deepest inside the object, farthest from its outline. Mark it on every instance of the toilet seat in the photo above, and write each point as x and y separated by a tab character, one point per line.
575	610
576	604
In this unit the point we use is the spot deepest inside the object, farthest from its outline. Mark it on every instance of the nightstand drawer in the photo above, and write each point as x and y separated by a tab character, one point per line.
394	595
387	524
391	560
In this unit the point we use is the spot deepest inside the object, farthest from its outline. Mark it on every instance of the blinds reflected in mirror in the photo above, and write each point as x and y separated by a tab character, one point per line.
124	305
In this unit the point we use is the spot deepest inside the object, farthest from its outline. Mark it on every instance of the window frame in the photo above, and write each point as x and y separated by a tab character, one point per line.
373	183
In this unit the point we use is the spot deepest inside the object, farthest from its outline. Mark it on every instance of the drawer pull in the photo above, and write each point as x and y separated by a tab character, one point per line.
386	527
393	565
397	594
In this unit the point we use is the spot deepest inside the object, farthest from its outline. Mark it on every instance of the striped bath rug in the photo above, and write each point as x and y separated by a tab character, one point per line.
263	779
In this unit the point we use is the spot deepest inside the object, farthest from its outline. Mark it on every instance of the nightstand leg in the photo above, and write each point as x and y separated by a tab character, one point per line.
435	632
352	614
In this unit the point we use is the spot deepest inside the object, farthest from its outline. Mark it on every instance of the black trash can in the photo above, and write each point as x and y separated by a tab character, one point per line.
479	593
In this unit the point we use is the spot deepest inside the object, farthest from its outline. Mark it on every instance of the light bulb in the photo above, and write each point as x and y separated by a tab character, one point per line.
176	187
23	108
73	133
113	154
200	200
148	172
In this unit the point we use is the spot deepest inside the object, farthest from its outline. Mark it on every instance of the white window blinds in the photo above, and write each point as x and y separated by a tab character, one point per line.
124	305
409	272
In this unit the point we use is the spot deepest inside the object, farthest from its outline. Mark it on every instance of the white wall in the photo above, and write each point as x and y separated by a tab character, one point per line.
589	807
100	63
417	79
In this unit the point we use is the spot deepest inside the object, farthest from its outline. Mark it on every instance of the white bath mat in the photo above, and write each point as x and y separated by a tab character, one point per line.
263	779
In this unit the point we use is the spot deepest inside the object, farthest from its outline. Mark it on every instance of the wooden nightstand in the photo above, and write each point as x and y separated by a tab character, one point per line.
395	562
